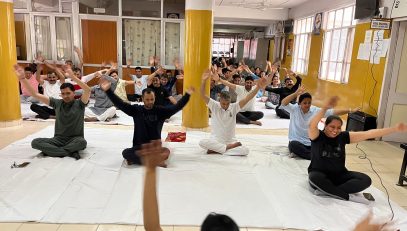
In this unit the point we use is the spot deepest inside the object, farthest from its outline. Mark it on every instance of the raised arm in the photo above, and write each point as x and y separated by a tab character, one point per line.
293	96
125	107
205	77
159	71
153	155
21	76
86	89
345	111
260	84
313	131
376	133
40	78
80	56
168	111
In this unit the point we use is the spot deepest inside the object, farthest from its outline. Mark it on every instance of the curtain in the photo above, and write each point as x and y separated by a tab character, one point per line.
64	44
42	36
142	40
172	42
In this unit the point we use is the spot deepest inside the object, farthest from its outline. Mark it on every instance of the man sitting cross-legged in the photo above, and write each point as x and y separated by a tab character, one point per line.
148	118
68	136
51	85
223	120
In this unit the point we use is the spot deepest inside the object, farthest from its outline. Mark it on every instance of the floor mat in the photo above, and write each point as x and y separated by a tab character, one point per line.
265	189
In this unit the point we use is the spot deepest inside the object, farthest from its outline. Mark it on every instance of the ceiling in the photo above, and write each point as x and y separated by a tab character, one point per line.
266	4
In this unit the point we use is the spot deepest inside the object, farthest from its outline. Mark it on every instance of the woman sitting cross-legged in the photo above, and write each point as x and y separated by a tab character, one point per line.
327	172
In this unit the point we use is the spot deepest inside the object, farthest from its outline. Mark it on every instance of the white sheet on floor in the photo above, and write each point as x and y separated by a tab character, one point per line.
266	189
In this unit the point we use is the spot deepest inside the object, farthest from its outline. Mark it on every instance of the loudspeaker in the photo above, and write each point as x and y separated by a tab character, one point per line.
360	121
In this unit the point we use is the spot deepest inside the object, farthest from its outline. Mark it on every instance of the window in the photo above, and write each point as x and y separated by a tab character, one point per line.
142	8
172	42
174	9
337	45
43	36
102	7
142	40
302	39
20	4
22	32
45	5
222	47
63	38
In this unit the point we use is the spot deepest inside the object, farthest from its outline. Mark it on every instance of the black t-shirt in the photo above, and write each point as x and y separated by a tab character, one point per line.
284	91
328	154
161	95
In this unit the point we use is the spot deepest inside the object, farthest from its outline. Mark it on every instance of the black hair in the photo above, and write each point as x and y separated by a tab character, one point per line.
236	76
225	95
76	69
137	68
286	79
248	78
219	222
332	118
67	85
147	91
306	95
114	71
224	70
28	69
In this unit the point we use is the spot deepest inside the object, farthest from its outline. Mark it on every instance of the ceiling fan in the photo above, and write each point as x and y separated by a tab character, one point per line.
258	5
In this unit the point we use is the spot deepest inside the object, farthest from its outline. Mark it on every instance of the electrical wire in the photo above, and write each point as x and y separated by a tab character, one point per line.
364	156
392	7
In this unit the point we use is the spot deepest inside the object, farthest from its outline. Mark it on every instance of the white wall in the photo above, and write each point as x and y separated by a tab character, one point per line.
312	7
239	14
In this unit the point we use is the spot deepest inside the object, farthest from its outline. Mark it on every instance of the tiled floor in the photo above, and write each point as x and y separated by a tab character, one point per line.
386	159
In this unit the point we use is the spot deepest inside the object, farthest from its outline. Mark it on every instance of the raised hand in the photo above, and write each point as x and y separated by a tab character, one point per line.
356	109
301	90
19	71
262	82
129	62
367	225
39	58
153	154
113	66
190	90
104	84
401	127
331	102
206	75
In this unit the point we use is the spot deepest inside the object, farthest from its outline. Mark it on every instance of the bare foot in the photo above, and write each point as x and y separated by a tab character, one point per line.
212	152
233	145
256	122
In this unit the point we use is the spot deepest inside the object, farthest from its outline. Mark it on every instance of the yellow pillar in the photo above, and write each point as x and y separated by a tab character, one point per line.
10	110
197	58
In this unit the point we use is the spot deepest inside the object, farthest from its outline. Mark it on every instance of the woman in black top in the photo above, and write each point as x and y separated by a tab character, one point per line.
327	172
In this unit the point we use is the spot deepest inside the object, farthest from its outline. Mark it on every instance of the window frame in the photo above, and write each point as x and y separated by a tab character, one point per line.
306	49
348	46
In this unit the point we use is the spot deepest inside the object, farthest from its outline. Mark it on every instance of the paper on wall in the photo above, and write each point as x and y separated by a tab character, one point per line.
368	36
378	35
364	51
386	44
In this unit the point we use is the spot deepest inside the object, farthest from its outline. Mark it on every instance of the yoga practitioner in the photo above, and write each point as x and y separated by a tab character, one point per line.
327	172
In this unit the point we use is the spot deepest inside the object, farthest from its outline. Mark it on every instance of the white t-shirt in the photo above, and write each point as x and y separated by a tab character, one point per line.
52	90
241	93
139	84
223	122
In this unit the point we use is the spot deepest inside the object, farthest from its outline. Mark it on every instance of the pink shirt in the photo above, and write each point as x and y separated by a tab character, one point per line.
33	82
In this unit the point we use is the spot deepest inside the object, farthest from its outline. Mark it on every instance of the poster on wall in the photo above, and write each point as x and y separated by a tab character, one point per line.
399	9
317	24
289	47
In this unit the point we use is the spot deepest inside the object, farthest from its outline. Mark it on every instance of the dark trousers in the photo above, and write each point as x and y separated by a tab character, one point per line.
300	149
59	146
130	154
339	185
247	116
134	97
283	114
43	112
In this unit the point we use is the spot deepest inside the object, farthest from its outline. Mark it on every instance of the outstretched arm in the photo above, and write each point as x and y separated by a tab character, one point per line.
345	111
313	131
86	89
205	77
293	96
168	111
80	56
152	155
260	84
21	76
125	107
376	133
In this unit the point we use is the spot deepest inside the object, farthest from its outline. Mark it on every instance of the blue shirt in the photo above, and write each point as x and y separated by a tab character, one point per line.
299	122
